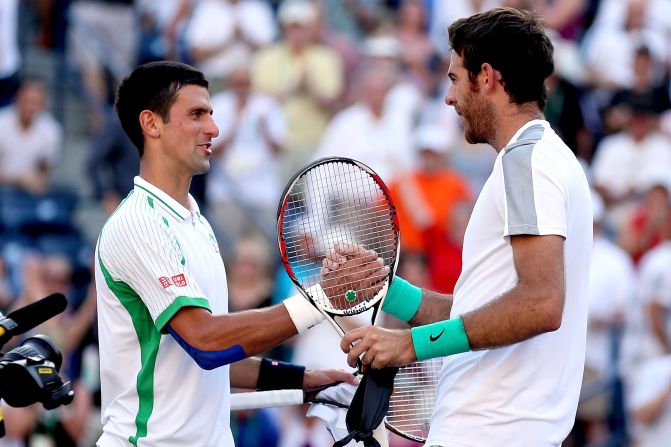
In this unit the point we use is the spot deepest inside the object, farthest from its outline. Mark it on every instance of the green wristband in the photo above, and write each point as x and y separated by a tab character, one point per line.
440	339
402	300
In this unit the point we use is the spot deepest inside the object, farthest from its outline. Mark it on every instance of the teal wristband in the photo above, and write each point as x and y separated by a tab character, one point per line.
402	300
440	339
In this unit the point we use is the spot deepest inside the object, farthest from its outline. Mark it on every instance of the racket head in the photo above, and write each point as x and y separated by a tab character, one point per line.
336	200
413	399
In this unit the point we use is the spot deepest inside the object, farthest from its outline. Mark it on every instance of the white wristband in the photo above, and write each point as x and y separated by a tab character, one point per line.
302	312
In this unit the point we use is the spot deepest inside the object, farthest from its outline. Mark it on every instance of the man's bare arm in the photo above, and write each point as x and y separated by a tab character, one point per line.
434	307
534	306
255	330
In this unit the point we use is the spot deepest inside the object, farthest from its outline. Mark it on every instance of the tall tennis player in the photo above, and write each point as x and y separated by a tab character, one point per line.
512	336
169	349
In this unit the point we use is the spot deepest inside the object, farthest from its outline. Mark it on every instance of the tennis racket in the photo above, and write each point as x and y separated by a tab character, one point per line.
410	405
333	203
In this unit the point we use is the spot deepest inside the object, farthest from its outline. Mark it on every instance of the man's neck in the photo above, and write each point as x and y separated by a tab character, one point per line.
510	121
176	187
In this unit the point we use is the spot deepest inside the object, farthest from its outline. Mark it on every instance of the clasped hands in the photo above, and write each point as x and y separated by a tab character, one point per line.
351	267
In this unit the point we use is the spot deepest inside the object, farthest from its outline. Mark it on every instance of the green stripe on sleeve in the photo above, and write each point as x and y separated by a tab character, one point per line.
177	304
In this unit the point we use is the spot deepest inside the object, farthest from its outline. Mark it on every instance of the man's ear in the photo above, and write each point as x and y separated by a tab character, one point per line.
150	123
490	78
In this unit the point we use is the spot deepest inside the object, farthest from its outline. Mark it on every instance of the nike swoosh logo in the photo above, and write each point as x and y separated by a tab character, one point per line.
432	338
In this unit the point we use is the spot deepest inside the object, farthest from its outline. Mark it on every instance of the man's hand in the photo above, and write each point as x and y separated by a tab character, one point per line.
321	377
351	268
382	347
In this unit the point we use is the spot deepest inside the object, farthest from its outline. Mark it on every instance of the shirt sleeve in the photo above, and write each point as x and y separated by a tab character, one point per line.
535	194
140	251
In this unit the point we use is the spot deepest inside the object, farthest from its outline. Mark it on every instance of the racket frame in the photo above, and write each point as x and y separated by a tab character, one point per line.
376	302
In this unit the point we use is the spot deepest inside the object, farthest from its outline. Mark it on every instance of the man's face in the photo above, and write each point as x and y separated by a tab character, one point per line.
188	133
476	112
30	101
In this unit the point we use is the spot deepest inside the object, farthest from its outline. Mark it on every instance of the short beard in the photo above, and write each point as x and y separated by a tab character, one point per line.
480	119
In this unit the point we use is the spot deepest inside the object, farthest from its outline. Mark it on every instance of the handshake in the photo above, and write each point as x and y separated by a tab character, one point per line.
353	276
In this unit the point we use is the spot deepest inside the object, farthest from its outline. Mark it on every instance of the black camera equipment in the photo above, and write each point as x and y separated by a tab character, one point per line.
29	372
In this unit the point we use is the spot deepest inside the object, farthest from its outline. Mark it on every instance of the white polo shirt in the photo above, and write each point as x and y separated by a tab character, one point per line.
526	393
154	257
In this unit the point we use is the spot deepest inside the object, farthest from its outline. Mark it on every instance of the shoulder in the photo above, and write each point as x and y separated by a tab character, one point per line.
131	223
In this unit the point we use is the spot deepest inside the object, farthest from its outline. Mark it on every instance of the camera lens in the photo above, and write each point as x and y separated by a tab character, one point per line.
28	370
36	346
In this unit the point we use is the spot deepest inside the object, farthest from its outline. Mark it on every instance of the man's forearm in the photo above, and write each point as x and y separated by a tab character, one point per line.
245	373
515	316
434	307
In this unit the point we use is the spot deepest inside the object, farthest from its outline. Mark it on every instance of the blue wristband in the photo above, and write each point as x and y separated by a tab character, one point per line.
440	339
402	300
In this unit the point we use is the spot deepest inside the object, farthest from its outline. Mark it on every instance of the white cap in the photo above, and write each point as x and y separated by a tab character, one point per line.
431	136
297	11
382	46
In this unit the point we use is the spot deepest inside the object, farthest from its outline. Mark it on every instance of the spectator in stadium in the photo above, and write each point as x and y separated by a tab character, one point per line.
243	184
647	87
417	51
111	162
407	92
651	220
99	51
625	160
304	75
368	131
425	198
611	296
650	402
224	34
162	27
608	45
31	139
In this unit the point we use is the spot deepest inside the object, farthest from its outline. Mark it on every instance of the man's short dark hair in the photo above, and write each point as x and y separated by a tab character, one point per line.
514	43
153	86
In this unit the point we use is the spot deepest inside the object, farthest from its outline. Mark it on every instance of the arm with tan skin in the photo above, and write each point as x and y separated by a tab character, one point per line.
254	330
534	306
245	374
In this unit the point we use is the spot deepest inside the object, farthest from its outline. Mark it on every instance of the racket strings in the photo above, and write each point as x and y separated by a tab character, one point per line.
337	203
414	397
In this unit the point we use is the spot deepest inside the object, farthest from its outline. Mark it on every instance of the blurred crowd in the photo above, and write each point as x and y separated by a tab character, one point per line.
296	80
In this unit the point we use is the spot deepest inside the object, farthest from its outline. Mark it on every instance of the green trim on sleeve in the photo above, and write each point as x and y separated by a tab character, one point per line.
440	339
402	300
176	305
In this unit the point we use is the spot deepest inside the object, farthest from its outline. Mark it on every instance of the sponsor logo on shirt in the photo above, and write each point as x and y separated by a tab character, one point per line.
179	280
165	281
